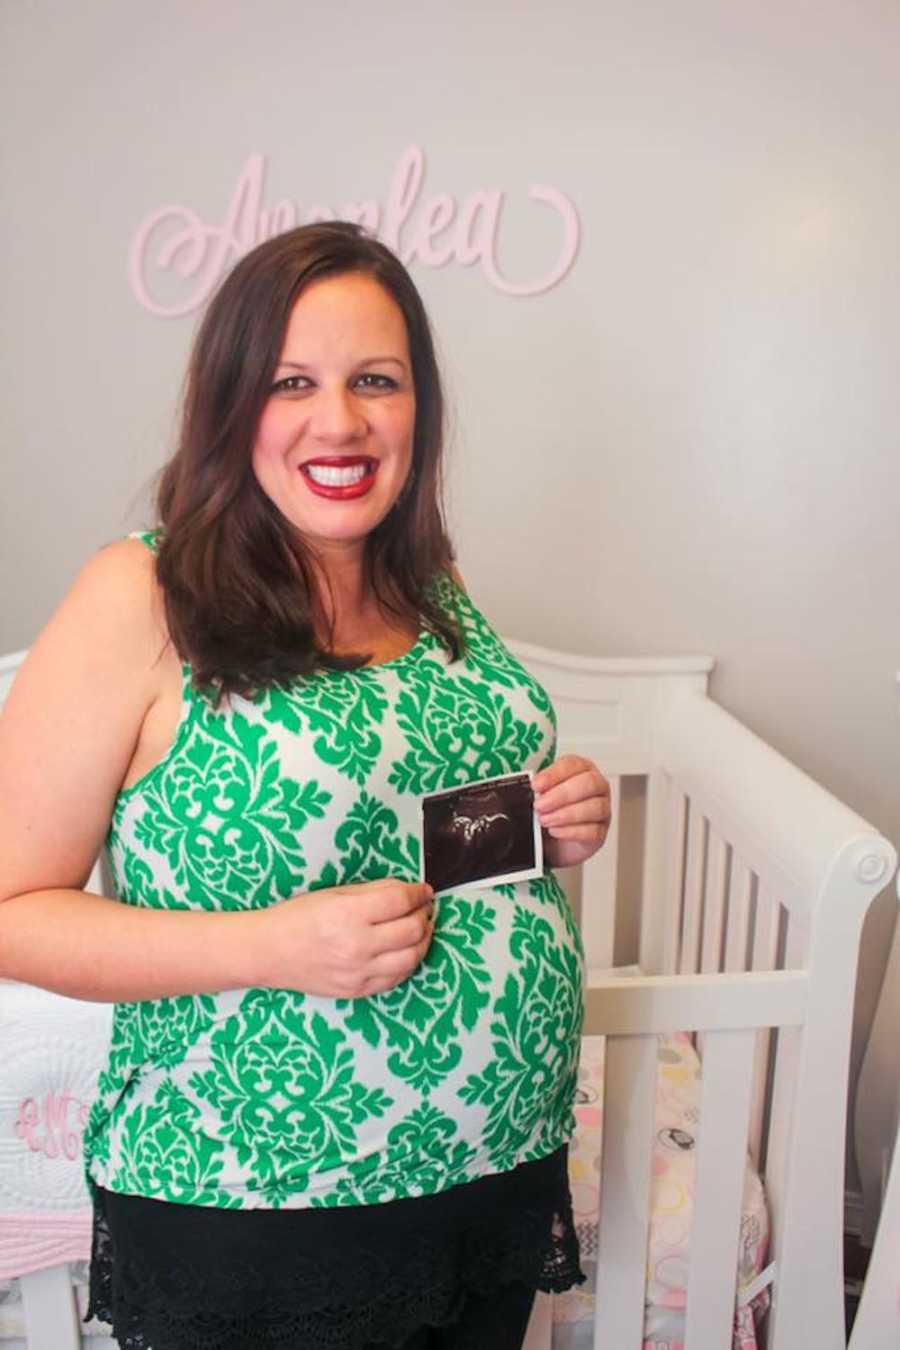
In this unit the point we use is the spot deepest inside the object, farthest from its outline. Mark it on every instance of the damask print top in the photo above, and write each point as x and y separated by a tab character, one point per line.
269	1098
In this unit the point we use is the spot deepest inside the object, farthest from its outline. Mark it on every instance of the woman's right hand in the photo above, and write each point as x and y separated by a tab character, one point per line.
348	941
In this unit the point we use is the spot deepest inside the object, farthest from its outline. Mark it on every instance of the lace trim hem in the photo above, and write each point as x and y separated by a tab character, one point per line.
376	1274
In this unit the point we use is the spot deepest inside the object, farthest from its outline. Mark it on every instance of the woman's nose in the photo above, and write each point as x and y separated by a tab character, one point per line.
336	416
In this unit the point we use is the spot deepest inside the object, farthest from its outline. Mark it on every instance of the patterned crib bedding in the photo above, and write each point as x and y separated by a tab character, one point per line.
672	1191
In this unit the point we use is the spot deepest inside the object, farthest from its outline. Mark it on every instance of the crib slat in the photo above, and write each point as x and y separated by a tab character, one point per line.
689	957
677	811
539	1332
780	1122
758	1104
629	1124
599	876
653	888
739	891
722	1148
765	933
765	951
714	905
48	1302
713	909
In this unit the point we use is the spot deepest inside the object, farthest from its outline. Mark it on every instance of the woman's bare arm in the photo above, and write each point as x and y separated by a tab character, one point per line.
67	736
67	740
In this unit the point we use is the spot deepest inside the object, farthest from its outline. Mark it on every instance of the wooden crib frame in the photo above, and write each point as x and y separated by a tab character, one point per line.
755	882
737	886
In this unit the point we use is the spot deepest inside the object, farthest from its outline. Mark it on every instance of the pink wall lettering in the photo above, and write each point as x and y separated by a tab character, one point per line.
433	230
53	1126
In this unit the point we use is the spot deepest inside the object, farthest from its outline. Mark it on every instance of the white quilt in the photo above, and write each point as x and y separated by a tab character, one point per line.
50	1052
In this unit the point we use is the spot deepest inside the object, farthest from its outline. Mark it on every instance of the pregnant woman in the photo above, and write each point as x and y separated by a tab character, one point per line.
334	1112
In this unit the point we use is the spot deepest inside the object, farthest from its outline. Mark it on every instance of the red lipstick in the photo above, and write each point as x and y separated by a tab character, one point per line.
340	477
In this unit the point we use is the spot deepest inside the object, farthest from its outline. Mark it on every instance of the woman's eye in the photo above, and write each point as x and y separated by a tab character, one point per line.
371	380
291	384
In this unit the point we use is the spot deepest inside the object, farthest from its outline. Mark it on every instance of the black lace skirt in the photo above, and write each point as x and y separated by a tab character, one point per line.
183	1277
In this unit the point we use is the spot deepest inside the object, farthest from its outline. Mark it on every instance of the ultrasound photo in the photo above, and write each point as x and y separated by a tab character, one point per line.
483	834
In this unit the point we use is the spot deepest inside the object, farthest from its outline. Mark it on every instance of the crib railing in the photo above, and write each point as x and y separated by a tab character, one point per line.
721	916
765	880
630	1012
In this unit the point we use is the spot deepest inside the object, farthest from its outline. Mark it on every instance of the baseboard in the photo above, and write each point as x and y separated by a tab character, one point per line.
853	1212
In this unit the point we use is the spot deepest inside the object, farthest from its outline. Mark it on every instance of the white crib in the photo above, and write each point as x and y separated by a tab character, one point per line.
877	1129
737	887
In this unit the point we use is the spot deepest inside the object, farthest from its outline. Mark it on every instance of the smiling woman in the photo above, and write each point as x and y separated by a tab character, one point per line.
334	446
333	378
334	1114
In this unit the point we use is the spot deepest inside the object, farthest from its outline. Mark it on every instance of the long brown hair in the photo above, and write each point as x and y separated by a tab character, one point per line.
240	595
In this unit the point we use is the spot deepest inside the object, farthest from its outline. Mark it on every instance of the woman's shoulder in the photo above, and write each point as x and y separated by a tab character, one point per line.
117	599
95	667
122	571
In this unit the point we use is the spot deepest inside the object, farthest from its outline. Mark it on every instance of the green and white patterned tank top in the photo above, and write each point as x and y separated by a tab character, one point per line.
267	1098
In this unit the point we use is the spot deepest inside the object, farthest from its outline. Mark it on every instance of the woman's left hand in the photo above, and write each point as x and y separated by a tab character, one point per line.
571	798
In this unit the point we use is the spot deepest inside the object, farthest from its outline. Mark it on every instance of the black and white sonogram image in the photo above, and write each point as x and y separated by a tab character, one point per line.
483	834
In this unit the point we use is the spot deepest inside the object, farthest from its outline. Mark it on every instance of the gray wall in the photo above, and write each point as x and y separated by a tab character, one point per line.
688	445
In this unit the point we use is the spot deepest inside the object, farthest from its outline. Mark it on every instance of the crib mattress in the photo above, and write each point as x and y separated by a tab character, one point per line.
672	1191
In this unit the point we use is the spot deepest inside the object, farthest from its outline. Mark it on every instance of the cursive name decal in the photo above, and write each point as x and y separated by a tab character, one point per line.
175	242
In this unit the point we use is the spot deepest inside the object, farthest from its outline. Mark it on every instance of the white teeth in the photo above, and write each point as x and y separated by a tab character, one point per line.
329	475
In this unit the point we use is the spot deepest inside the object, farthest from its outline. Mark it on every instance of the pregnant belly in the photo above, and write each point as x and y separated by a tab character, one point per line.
467	1067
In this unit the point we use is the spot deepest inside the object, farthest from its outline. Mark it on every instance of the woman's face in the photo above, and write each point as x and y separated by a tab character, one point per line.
334	442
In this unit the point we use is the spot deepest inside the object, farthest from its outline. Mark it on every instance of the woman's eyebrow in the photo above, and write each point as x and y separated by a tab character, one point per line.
369	360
